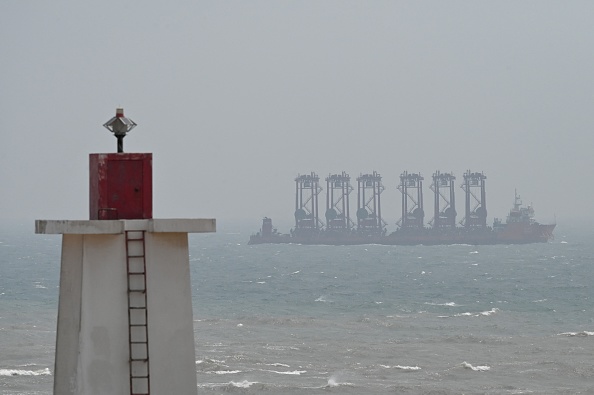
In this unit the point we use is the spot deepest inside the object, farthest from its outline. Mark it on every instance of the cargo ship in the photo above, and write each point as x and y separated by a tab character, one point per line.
370	228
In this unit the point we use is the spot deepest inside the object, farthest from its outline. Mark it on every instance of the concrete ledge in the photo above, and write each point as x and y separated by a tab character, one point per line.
177	225
183	225
54	227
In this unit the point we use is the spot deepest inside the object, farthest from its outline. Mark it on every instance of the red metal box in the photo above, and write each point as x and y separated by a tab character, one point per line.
121	186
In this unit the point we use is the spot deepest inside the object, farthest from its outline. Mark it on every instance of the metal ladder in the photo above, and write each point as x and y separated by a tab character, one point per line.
137	313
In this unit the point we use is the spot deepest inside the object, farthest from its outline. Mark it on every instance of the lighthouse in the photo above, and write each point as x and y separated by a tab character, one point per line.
125	322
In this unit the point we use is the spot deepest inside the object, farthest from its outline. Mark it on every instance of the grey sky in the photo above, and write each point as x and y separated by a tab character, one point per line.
235	98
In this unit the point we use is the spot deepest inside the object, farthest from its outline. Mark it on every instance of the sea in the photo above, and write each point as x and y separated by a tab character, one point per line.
369	319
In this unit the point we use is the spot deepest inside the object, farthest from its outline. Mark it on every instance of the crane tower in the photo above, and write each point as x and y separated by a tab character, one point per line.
411	187
444	204
338	189
369	212
476	200
307	189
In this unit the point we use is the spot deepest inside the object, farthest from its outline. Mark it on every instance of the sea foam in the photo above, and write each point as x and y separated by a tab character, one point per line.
579	334
404	368
294	372
19	372
449	304
483	368
243	384
333	382
482	313
408	368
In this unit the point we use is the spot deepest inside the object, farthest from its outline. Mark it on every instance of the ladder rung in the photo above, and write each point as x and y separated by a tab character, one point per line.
135	256
137	308
137	324
139	359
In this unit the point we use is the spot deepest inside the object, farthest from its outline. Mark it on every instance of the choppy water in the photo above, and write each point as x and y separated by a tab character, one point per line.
292	319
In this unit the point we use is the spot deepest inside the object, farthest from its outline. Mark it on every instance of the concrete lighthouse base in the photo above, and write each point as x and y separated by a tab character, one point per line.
93	338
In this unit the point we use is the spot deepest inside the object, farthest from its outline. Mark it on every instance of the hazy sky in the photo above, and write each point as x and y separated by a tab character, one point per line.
235	98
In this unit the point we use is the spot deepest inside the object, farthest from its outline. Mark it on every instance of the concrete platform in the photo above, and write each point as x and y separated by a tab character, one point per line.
114	227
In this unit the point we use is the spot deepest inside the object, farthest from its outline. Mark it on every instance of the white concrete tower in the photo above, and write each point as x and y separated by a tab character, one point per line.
125	324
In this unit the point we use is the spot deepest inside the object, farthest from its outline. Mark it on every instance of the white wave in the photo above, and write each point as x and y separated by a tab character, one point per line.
333	382
408	368
489	312
449	304
19	372
483	368
297	272
579	334
278	364
227	371
294	372
482	313
211	362
280	348
405	368
473	252
324	299
243	384
563	242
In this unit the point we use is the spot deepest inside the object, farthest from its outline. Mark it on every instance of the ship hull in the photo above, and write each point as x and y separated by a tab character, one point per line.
510	234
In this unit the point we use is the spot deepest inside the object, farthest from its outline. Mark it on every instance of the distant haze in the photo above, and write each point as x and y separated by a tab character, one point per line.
235	99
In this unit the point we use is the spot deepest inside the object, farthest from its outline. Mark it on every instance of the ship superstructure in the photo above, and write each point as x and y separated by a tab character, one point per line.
370	228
